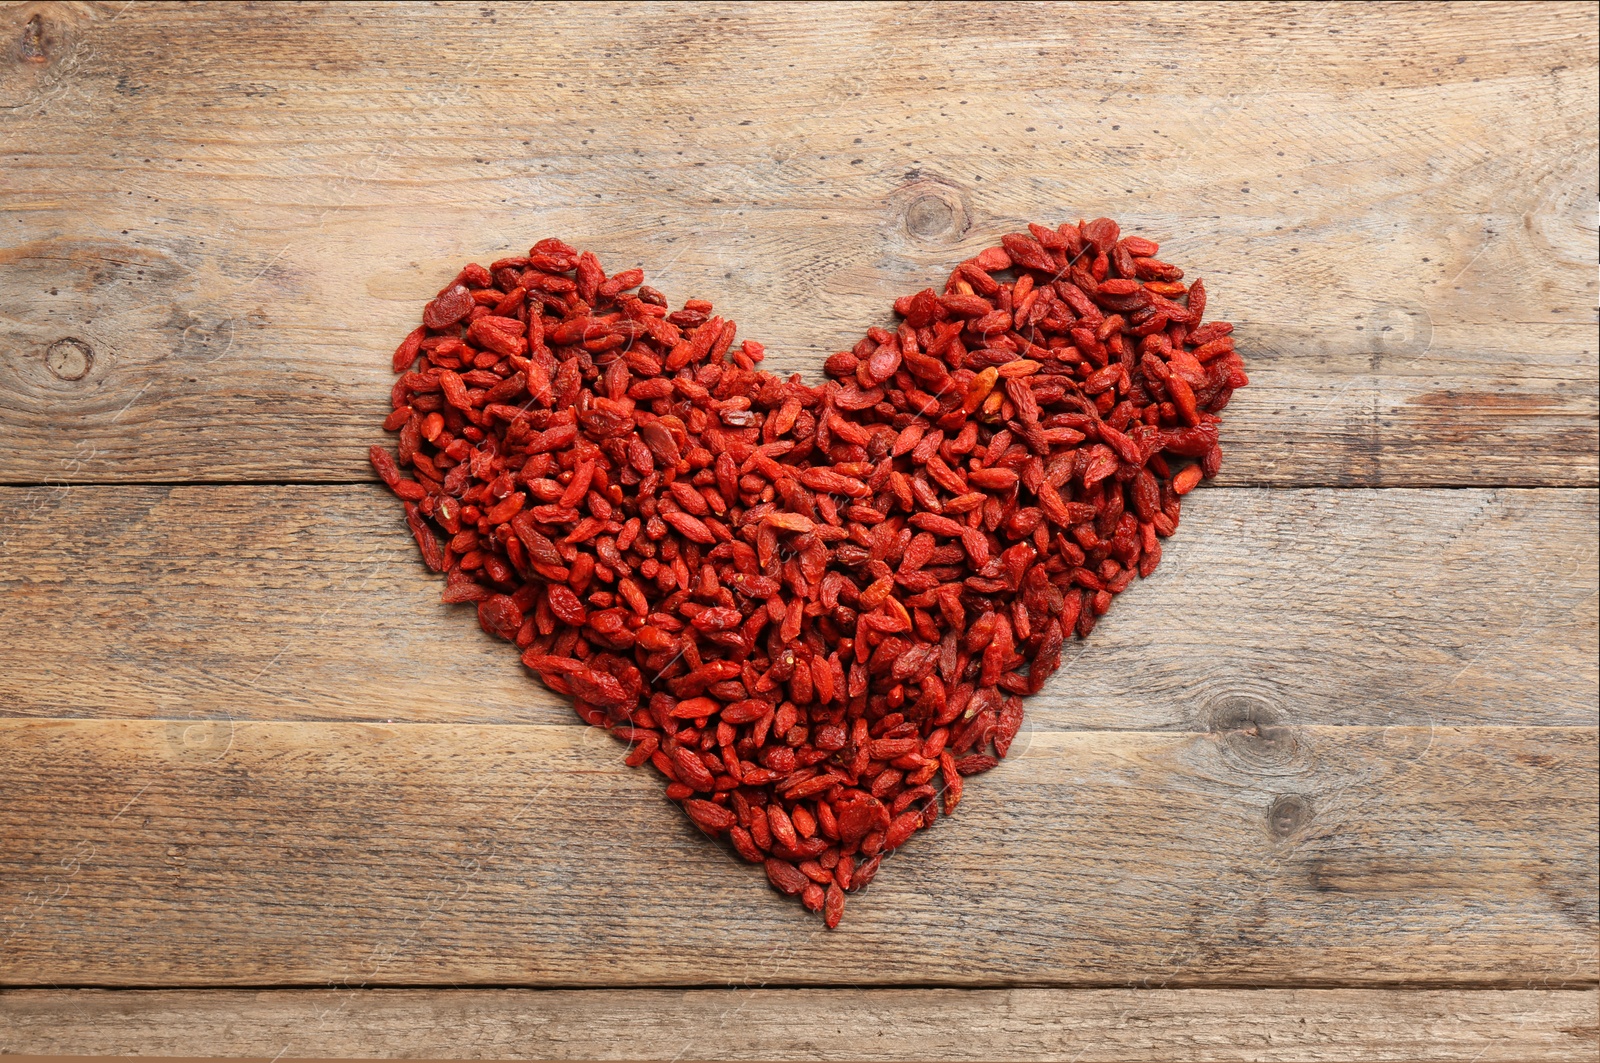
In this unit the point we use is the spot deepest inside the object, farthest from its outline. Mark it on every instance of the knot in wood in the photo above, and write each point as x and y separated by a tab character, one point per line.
1254	733
932	211
929	215
1288	814
69	358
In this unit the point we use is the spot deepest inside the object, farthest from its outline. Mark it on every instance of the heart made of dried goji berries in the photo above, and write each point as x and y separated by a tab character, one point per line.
813	608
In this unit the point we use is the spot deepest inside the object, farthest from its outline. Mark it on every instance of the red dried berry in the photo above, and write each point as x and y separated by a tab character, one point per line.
813	608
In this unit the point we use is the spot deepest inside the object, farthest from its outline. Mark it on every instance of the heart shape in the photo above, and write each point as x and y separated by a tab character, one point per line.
815	609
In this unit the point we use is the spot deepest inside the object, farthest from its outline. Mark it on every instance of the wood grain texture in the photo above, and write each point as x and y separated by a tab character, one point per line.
1084	1025
1344	741
148	853
1308	607
220	222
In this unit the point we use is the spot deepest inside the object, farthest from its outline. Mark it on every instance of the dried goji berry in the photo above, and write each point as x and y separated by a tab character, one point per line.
813	608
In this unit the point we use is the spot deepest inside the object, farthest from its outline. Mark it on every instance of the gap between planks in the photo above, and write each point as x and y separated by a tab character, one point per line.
1236	484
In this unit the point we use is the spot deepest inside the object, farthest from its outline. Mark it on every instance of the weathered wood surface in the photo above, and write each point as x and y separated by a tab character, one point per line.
1344	738
219	221
1319	607
151	853
1084	1025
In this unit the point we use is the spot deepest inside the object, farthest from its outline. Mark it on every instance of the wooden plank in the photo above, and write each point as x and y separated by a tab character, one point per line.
149	853
221	226
1315	606
1084	1025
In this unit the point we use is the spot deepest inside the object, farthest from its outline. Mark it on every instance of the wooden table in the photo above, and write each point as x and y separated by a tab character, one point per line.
1324	787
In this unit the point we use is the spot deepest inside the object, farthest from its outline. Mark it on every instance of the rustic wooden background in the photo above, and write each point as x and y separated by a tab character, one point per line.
1325	787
